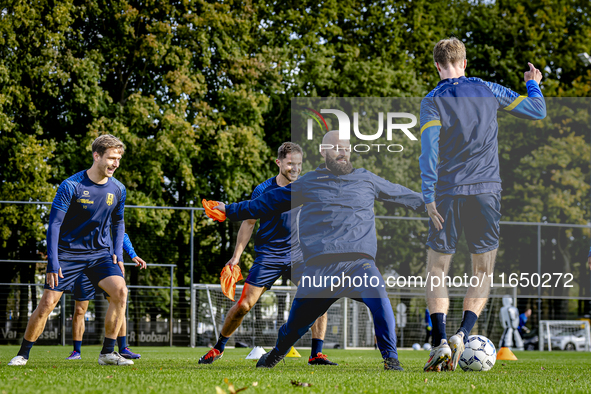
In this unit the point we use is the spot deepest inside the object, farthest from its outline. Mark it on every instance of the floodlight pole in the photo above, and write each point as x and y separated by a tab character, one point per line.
586	59
192	291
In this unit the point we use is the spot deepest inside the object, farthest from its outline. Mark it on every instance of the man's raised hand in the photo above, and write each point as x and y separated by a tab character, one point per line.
533	73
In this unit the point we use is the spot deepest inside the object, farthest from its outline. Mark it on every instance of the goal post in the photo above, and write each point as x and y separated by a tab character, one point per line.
564	335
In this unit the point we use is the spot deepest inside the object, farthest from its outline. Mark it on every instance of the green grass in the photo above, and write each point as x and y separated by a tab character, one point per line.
173	370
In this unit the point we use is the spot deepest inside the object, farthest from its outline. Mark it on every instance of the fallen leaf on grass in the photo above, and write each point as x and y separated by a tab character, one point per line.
300	384
109	377
231	388
503	364
543	369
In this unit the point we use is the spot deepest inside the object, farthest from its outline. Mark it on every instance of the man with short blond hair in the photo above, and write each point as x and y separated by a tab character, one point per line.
85	236
461	183
448	52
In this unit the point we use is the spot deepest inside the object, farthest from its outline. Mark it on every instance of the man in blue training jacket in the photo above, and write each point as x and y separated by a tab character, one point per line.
85	236
83	292
461	183
338	240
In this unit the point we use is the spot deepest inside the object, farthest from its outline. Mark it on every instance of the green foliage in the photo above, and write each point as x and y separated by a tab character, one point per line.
200	92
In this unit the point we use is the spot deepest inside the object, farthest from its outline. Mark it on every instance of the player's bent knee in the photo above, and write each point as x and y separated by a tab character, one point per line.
119	295
46	306
243	308
80	310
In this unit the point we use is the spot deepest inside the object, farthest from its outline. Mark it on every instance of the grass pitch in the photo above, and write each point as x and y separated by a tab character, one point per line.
175	370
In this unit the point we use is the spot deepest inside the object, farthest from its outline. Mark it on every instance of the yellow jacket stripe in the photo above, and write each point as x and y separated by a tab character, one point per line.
515	103
429	124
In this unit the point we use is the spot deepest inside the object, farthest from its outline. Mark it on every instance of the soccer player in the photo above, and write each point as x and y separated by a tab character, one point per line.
522	320
463	190
277	254
85	236
84	291
338	239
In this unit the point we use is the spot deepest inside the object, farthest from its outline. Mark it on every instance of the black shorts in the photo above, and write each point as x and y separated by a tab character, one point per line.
95	269
479	215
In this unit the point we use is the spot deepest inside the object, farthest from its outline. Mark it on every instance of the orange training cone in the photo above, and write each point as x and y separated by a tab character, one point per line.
505	354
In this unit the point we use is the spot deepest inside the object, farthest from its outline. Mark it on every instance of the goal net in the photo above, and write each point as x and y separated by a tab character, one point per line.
564	335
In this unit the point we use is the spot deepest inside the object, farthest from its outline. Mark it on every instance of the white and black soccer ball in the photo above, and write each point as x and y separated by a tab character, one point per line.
480	354
416	346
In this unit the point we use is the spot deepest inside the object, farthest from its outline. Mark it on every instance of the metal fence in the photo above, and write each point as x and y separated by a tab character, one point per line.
350	323
172	315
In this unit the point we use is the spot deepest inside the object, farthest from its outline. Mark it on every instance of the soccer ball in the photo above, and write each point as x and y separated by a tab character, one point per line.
427	346
480	354
416	346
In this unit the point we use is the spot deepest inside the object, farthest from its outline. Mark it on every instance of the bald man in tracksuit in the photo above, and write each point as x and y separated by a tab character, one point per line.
338	239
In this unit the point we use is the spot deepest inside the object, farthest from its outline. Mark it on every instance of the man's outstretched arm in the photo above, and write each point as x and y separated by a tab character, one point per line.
272	202
397	194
